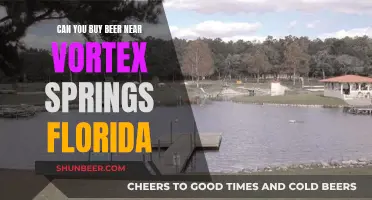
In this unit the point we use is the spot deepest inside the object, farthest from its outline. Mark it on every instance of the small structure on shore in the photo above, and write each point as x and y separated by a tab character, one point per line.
277	89
348	87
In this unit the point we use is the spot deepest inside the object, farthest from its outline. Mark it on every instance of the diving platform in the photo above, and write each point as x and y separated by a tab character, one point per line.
205	141
360	110
180	149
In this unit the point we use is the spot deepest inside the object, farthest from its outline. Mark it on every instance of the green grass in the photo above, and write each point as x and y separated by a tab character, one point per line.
303	99
170	93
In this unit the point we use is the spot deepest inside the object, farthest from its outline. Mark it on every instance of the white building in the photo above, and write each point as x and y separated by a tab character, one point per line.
348	87
277	89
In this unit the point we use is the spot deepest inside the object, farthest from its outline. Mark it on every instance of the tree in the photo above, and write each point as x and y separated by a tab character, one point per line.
323	63
197	60
36	64
294	56
257	63
347	64
232	63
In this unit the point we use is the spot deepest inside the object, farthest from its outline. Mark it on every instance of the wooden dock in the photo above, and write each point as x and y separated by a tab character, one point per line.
180	150
206	141
359	110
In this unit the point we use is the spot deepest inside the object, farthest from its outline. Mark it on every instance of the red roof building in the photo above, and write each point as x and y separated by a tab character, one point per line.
348	87
348	79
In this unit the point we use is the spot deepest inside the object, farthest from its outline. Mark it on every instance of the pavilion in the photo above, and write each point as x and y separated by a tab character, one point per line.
348	87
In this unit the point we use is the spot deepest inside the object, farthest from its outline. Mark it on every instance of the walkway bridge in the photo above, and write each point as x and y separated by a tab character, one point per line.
180	149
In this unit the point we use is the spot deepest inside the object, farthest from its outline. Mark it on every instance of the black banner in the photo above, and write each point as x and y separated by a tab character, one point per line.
221	186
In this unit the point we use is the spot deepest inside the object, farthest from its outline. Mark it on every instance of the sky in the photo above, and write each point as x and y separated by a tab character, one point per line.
256	19
245	19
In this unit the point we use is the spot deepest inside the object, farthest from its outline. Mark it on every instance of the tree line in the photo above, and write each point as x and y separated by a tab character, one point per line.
289	57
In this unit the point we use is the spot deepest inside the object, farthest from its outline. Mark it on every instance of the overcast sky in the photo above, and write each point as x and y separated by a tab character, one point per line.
247	20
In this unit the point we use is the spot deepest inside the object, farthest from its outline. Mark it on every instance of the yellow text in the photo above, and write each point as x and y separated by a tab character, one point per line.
101	137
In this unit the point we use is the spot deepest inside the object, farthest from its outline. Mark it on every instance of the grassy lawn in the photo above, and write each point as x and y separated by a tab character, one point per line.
170	94
305	99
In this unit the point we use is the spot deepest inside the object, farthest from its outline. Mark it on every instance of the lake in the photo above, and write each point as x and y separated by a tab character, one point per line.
259	136
253	135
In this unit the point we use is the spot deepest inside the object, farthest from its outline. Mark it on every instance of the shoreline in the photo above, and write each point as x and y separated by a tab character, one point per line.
17	111
293	105
316	100
361	163
234	100
348	166
29	110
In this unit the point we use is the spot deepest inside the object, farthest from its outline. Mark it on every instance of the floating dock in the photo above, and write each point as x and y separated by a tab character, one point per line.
358	110
180	148
205	141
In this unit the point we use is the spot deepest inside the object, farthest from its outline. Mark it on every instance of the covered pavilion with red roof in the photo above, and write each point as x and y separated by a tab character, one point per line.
348	87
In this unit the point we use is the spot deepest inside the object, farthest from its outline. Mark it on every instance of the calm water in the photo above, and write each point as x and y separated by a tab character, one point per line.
253	136
258	136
